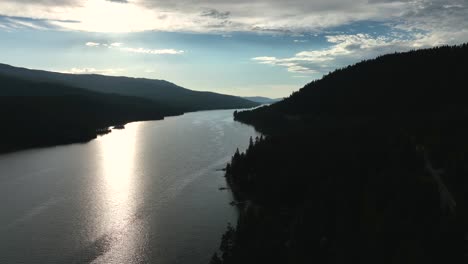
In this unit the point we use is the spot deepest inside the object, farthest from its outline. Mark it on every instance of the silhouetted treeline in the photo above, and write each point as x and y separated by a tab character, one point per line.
35	114
367	165
391	86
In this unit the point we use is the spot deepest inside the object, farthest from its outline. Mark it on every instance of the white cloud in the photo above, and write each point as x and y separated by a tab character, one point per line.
265	59
25	24
92	44
119	46
292	64
14	23
293	16
344	50
94	71
153	51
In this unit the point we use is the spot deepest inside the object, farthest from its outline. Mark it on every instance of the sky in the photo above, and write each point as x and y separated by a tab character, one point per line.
244	47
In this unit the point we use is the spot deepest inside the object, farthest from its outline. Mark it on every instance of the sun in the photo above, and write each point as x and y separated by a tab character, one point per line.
111	17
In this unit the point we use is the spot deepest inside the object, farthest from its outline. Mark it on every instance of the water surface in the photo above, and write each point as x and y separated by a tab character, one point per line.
145	194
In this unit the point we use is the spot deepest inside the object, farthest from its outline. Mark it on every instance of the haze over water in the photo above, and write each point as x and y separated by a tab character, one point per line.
148	193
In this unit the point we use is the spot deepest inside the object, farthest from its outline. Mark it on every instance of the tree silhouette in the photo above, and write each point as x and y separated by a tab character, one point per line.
341	176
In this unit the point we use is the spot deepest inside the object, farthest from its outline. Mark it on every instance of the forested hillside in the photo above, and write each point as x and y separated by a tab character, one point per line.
40	108
366	165
35	114
159	91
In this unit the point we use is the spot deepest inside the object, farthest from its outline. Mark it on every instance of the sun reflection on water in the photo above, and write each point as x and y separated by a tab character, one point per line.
118	194
118	160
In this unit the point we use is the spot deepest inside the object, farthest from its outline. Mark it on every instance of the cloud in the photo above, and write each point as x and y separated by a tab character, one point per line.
343	50
92	44
93	71
276	16
426	22
119	46
213	13
265	60
430	22
291	64
92	16
17	22
44	2
118	1
153	51
444	21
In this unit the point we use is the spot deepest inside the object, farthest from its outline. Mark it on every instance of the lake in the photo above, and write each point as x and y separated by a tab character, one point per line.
146	194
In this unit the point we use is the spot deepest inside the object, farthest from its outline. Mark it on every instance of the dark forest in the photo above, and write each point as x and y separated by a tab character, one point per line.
366	165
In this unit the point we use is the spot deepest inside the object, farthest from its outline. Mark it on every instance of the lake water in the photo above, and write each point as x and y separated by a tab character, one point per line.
145	194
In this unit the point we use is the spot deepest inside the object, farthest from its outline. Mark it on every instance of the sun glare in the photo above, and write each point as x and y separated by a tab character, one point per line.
118	177
107	16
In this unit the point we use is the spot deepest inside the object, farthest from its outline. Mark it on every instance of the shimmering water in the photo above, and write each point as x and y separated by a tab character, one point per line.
145	194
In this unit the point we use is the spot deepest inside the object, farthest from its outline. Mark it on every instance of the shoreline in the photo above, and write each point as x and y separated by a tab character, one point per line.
85	136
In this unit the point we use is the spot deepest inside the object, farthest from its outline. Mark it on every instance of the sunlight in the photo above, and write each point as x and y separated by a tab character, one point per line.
117	194
118	158
118	177
107	16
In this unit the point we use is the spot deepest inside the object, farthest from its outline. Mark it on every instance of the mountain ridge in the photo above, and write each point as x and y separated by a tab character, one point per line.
40	108
160	91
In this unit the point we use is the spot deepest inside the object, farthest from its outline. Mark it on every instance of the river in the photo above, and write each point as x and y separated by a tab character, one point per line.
146	194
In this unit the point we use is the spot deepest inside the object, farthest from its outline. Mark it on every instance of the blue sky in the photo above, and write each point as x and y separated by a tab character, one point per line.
245	48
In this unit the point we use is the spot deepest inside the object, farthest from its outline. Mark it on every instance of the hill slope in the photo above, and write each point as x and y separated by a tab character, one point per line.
401	84
159	91
366	165
42	108
35	114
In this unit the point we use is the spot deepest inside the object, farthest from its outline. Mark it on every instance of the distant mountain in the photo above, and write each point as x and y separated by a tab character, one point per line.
40	108
262	100
159	91
366	165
